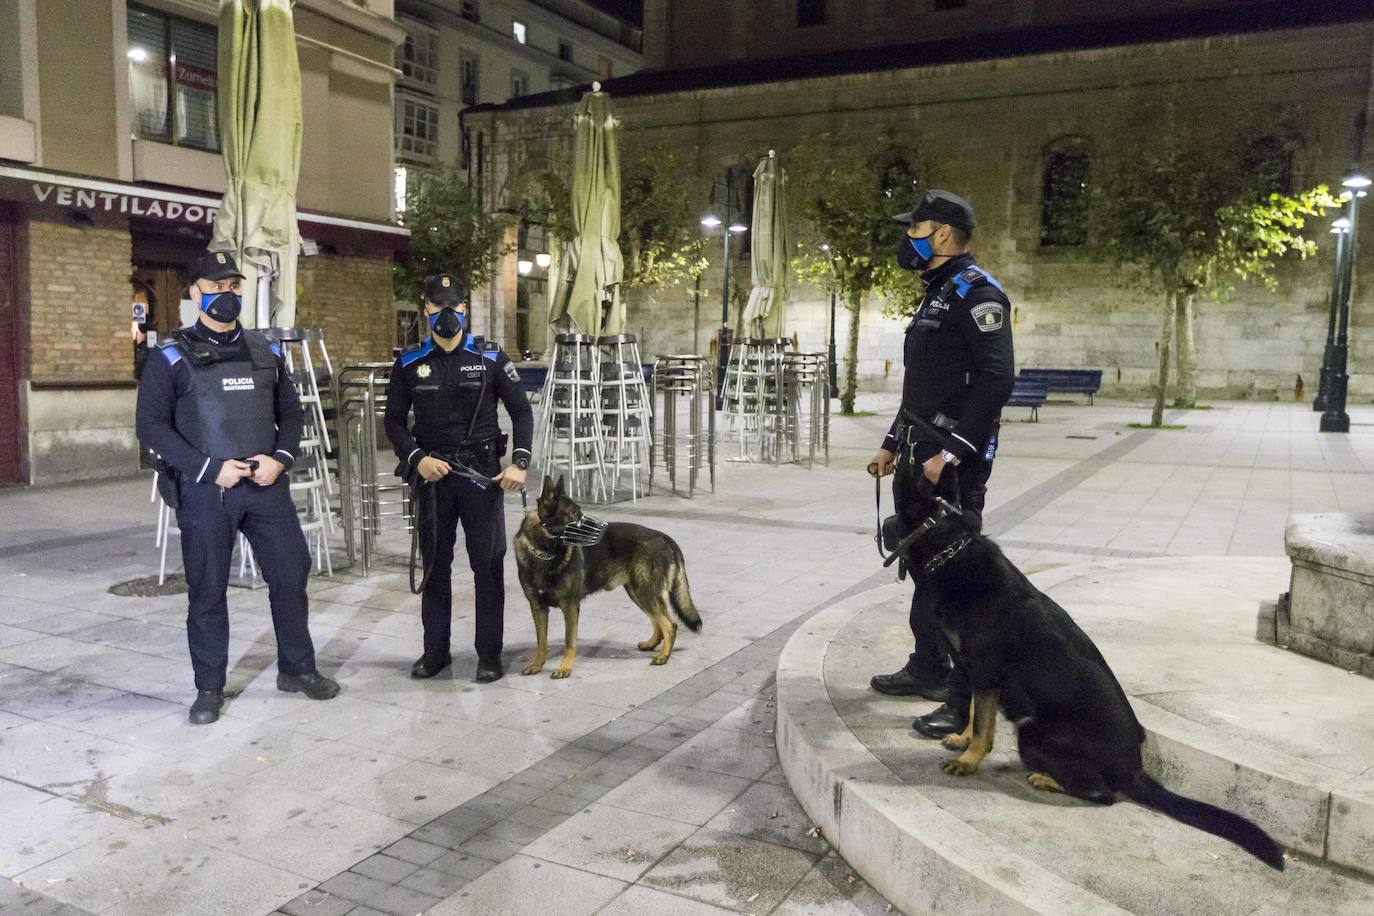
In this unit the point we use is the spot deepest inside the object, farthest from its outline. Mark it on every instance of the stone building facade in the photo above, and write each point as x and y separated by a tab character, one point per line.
110	177
989	112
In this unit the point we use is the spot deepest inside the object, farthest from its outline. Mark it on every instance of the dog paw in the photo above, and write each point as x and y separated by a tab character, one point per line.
955	741
958	766
659	660
531	669
647	646
560	673
1044	782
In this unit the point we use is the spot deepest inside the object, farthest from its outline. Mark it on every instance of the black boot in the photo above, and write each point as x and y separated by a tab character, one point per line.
488	671
314	685
206	707
904	684
425	668
943	721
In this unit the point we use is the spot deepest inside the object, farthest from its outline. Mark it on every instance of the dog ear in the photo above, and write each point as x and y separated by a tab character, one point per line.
547	490
558	487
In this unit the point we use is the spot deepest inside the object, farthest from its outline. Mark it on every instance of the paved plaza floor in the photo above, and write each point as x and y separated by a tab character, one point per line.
625	788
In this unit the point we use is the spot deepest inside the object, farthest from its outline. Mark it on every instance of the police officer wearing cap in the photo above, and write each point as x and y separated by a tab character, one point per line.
218	408
453	381
959	374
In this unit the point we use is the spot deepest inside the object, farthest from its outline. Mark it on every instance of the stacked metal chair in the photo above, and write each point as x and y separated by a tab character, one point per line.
753	385
372	497
311	486
682	386
626	412
570	425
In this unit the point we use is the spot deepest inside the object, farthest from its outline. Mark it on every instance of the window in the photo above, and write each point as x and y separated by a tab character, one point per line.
517	29
468	70
417	127
565	50
606	68
810	12
419	55
519	84
470	11
1269	164
941	5
1064	194
172	79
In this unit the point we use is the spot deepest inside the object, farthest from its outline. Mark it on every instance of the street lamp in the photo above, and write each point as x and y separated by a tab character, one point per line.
524	267
1339	229
1335	419
543	259
733	227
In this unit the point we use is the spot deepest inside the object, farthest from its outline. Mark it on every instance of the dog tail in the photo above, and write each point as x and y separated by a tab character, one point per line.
680	595
1244	833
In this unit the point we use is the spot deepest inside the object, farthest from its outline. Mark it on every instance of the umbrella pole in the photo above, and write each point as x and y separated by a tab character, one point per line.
264	301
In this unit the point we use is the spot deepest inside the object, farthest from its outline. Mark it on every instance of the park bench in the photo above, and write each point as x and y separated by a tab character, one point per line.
1068	381
1029	393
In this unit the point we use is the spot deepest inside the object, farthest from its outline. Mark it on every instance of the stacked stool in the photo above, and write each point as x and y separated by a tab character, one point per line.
682	387
570	425
626	411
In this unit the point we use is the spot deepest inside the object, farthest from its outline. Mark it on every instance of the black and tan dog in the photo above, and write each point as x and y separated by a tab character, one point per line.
554	572
1076	731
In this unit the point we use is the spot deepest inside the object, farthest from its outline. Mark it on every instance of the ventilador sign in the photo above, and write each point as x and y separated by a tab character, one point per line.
126	204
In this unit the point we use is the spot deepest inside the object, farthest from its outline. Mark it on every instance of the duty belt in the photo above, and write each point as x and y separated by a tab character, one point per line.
909	430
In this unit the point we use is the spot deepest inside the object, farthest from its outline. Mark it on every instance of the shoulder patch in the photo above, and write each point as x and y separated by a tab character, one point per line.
987	316
171	351
419	351
965	280
276	347
511	372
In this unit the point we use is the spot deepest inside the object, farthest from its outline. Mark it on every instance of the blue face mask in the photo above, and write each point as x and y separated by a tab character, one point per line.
447	322
223	307
914	254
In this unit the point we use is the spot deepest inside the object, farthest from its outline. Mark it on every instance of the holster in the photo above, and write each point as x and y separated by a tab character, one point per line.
167	478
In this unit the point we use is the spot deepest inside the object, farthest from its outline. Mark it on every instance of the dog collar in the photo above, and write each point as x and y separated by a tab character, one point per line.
944	556
540	554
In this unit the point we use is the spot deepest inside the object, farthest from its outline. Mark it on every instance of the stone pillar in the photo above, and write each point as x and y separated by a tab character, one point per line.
1331	602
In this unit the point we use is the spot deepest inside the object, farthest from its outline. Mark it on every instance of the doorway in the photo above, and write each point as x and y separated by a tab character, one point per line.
11	432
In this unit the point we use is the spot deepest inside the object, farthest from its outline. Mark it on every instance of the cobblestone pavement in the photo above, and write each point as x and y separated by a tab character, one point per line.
623	789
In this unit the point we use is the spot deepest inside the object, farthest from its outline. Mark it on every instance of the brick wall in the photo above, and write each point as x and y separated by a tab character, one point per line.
350	299
79	295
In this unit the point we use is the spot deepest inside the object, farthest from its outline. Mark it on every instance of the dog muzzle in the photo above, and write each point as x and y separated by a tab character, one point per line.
585	532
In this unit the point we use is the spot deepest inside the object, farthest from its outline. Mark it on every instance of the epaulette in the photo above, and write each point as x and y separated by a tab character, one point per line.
416	351
487	349
966	278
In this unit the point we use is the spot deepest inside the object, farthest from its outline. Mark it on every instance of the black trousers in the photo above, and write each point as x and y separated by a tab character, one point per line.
480	510
932	656
210	519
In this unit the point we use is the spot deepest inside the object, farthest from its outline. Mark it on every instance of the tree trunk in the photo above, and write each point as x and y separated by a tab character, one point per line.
851	357
1185	391
1157	417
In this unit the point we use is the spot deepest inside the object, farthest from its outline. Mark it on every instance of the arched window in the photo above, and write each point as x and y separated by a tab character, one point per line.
1064	193
1269	164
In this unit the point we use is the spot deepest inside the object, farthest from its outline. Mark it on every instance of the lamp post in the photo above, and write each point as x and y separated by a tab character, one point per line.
731	227
1335	419
1339	229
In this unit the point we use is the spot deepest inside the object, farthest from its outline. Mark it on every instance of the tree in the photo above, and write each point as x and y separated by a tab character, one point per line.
1190	214
660	205
845	193
450	231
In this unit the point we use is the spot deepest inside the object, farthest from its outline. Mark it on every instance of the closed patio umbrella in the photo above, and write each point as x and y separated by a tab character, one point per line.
260	129
765	313
592	259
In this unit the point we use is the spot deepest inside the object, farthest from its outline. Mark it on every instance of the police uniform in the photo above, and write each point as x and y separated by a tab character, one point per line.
959	373
207	397
454	396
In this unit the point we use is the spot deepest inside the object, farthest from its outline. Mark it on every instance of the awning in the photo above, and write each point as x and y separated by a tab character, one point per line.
107	201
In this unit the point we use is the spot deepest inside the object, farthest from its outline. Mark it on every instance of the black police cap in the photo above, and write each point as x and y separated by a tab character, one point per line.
942	207
445	289
212	265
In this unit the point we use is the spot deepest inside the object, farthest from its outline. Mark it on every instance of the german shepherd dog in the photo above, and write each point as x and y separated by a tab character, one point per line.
557	573
1076	731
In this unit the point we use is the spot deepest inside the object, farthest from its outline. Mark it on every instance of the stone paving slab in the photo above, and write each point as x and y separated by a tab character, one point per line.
474	776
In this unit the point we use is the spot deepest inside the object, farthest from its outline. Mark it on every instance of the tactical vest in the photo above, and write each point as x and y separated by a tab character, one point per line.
230	409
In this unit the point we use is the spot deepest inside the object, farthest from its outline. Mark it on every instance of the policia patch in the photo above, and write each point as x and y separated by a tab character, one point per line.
988	316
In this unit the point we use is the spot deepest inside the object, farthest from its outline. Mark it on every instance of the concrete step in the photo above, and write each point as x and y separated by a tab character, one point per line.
1280	738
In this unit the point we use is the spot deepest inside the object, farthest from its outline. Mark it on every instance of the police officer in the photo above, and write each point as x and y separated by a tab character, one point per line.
453	381
218	407
959	373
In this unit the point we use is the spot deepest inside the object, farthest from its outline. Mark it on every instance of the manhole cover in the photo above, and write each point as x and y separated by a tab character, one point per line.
147	587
